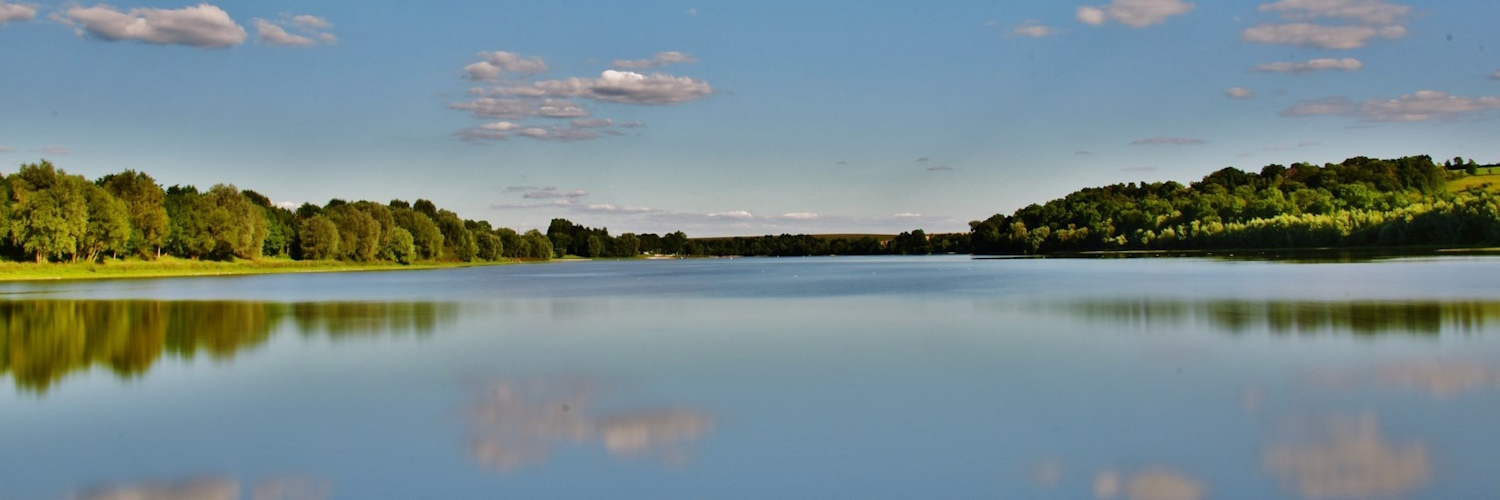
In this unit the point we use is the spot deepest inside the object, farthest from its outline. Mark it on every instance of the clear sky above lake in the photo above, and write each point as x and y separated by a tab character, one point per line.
723	118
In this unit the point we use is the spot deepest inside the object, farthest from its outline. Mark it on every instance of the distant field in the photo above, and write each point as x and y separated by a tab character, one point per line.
1488	177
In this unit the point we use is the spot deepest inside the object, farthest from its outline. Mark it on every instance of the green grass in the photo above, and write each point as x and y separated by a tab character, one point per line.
175	267
1487	179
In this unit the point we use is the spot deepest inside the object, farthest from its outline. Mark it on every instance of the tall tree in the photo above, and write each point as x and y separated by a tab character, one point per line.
50	213
145	203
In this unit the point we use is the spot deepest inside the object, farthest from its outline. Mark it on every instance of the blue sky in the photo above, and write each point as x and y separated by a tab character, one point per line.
736	117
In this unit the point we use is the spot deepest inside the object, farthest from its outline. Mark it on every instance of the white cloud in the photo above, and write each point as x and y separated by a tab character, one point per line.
1322	64
16	12
1495	75
616	209
940	168
203	26
1369	12
517	109
548	193
800	216
1239	93
692	11
311	30
632	124
494	65
626	87
1035	30
906	215
593	123
57	150
1423	105
500	126
736	215
1319	36
310	22
658	60
1133	13
269	33
1169	141
1090	15
1326	106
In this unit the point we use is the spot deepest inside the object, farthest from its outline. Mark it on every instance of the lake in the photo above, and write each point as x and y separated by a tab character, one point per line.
930	377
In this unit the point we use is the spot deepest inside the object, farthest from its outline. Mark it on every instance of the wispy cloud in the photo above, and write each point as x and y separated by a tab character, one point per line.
1239	93
1035	29
1495	75
1423	105
16	12
518	102
1370	12
204	26
1169	141
7	149
494	65
1320	36
940	168
1358	22
311	30
625	87
552	192
658	60
57	150
800	216
1133	13
1322	64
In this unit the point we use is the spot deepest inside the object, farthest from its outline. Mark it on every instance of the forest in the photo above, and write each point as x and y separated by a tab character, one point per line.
47	215
1359	202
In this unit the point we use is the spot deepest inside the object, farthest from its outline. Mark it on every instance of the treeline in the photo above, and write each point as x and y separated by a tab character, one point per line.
49	215
1359	202
573	239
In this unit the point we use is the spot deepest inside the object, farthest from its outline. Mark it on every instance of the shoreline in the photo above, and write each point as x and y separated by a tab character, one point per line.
20	272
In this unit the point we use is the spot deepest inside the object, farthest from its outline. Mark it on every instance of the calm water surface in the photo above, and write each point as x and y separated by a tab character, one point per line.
938	377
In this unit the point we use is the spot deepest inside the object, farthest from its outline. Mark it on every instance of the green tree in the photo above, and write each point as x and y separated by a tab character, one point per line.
145	202
108	227
359	234
402	248
539	244
50	213
319	238
488	246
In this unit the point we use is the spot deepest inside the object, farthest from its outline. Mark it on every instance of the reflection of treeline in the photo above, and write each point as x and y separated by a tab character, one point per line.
44	340
46	214
1359	202
1301	317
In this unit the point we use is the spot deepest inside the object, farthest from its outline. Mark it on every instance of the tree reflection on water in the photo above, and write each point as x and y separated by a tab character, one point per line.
43	341
1291	317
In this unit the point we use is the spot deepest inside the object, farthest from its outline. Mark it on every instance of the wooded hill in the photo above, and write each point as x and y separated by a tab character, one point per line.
1360	202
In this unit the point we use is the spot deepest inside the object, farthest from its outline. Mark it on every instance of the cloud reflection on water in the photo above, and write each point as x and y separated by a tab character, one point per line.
212	488
517	423
1349	459
1153	483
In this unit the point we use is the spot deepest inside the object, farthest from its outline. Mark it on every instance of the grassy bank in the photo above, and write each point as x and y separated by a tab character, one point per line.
166	267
